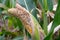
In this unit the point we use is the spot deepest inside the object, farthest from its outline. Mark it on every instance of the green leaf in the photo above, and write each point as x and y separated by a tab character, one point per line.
28	4
2	1
56	22
19	24
35	1
50	4
16	22
36	27
2	37
46	4
18	38
13	21
34	13
9	3
1	9
43	4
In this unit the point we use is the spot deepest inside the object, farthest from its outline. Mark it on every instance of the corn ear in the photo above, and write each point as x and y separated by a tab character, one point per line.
29	22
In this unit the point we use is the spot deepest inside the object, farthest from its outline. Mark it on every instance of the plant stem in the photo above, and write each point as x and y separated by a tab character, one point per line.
45	22
45	5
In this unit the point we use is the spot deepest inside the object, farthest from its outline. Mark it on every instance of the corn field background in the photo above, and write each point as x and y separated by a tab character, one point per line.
29	19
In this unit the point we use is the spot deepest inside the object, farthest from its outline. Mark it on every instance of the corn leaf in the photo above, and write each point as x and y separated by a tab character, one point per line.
56	22
2	37
50	4
28	4
8	3
46	4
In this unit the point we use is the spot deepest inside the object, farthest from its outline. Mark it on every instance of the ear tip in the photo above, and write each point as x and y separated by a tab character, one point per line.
12	10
